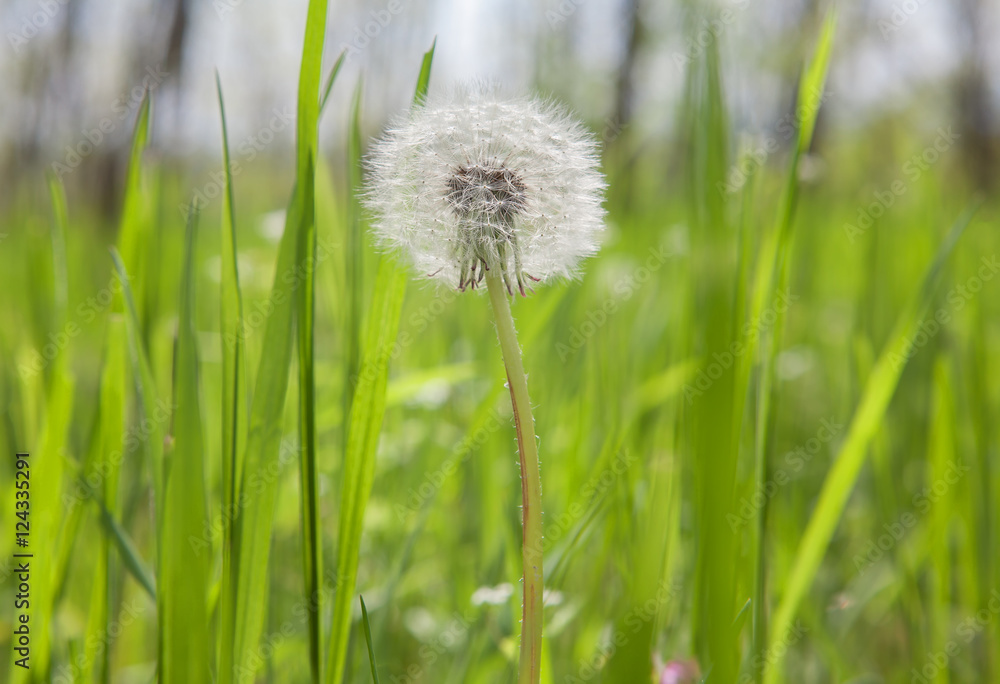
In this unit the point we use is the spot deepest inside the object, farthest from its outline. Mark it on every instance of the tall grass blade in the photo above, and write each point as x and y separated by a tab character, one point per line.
843	474
256	516
307	145
365	425
366	409
353	257
713	440
312	545
184	625
773	276
135	238
112	431
234	402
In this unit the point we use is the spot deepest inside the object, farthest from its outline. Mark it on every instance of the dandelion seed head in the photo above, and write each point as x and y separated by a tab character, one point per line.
473	180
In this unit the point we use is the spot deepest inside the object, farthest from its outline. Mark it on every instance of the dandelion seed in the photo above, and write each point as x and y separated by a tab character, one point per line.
472	181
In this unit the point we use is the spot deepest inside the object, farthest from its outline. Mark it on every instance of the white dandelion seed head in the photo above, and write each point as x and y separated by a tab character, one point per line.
474	180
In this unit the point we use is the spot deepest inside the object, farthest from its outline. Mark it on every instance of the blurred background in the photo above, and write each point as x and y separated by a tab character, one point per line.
68	64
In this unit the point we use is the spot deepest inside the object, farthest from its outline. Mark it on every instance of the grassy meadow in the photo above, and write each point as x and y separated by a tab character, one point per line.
765	416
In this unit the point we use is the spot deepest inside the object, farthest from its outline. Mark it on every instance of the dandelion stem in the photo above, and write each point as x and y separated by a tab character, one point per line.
531	483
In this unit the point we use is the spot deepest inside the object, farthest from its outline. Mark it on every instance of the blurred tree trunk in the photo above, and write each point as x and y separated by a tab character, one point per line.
612	136
972	98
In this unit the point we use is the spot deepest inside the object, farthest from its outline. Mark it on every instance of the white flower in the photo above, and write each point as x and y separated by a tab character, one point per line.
473	180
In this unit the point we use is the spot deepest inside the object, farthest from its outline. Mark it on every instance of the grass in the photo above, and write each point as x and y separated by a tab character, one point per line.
224	457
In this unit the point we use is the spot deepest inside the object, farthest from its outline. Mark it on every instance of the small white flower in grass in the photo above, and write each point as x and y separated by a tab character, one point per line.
472	181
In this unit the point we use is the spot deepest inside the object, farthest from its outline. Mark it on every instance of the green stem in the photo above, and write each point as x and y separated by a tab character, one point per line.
531	483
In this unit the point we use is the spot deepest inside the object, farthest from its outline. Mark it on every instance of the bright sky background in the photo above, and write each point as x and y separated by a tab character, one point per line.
256	45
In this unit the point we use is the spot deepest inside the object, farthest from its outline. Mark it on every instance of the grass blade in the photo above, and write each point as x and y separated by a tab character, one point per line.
183	588
776	257
135	236
312	544
330	80
256	516
307	146
368	640
234	402
367	411
840	481
367	408
112	431
424	78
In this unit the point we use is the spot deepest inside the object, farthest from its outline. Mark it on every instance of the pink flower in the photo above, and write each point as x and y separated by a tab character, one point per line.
678	672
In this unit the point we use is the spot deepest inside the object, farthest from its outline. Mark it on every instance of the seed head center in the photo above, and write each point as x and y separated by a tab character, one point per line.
490	193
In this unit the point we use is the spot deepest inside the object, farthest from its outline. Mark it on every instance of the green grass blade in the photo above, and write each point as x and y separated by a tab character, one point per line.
147	399
353	257
312	544
940	459
843	474
129	553
254	513
46	468
330	80
135	236
367	411
60	224
256	516
776	257
713	440
368	640
145	385
184	623
112	430
307	146
234	402
367	408
424	78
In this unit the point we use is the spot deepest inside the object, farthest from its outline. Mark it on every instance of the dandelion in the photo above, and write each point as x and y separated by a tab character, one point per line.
474	187
472	181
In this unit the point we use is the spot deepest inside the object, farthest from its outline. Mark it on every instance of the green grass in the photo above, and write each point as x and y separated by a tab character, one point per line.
232	438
